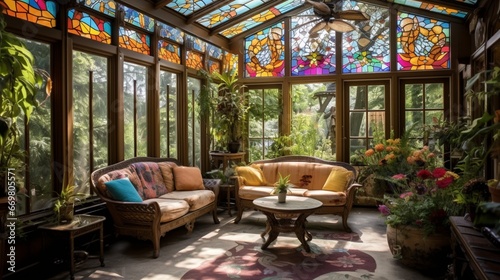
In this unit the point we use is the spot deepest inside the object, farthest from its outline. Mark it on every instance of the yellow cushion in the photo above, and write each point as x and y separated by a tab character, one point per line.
252	175
187	178
337	181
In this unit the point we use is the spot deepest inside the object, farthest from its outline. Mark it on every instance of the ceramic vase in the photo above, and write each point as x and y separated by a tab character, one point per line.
282	197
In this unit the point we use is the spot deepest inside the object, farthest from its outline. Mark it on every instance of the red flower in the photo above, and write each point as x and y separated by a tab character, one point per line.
424	174
444	183
439	172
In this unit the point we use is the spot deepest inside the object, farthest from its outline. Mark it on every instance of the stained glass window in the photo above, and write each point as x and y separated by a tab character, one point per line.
230	62
423	43
213	66
169	51
194	60
194	43
266	15
367	49
311	56
107	7
187	7
135	41
40	12
89	26
172	33
214	51
432	7
139	19
265	52
226	12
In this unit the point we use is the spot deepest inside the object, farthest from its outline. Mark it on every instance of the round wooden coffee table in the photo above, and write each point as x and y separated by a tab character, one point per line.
287	217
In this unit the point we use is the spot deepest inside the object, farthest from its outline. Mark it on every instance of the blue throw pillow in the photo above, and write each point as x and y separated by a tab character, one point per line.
123	190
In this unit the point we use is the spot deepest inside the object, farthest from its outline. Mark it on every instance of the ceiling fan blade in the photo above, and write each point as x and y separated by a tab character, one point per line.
313	32
340	25
320	8
352	15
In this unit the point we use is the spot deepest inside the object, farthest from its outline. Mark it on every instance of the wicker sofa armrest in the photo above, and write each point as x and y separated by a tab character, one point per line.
134	213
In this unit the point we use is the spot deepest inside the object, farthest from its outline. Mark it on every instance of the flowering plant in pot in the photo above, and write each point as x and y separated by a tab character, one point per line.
281	187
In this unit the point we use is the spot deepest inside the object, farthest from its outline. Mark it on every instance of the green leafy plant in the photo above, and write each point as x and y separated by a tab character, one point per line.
282	185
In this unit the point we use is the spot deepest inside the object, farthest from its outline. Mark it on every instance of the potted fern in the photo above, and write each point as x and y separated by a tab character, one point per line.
281	187
64	204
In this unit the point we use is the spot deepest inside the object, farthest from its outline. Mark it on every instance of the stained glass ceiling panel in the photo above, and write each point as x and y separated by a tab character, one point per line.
187	7
229	11
432	7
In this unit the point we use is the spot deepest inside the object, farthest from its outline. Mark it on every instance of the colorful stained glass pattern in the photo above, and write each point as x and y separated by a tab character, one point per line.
89	26
214	51
367	50
139	19
195	43
266	15
169	52
423	43
432	7
229	11
37	11
134	41
213	66
311	56
107	7
265	52
172	33
187	7
194	60
230	62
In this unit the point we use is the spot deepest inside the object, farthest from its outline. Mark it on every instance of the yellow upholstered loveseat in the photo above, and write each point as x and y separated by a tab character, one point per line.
330	182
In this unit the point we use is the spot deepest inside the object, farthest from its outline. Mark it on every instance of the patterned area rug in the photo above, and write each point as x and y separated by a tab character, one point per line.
248	261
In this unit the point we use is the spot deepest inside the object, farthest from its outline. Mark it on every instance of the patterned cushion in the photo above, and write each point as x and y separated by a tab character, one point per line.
113	175
150	179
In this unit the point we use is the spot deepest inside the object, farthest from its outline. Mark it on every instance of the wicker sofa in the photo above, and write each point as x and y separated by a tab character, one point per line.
164	207
308	176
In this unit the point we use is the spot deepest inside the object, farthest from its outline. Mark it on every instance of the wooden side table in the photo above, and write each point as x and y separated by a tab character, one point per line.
82	224
287	217
228	188
225	159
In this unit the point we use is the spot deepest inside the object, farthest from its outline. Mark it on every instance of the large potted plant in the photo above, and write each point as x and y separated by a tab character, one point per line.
19	81
230	110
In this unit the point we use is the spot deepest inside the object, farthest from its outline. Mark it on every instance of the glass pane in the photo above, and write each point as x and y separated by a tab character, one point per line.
429	115
265	52
357	145
376	122
412	118
376	97
39	131
134	92
256	115
90	84
357	97
168	114
434	96
194	128
357	124
414	96
256	150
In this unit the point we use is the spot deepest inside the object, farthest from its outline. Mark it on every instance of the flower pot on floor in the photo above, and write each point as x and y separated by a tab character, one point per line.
415	249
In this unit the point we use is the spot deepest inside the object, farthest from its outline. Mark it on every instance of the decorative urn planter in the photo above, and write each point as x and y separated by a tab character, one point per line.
282	197
415	249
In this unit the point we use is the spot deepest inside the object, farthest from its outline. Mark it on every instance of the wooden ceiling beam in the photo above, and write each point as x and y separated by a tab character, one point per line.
161	3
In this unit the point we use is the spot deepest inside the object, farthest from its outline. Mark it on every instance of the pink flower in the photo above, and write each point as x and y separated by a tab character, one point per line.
384	210
424	174
399	176
406	194
439	172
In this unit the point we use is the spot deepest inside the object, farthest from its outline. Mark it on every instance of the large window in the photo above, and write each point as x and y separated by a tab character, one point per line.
168	114
90	119
194	127
265	110
313	120
35	185
367	114
135	109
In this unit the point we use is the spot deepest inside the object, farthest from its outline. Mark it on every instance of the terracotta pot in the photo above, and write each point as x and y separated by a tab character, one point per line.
495	194
414	249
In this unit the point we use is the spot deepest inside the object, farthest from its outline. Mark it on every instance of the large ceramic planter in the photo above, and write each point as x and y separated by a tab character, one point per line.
427	253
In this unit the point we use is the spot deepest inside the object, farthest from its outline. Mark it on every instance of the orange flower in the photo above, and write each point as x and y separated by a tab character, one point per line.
379	147
410	160
369	152
497	116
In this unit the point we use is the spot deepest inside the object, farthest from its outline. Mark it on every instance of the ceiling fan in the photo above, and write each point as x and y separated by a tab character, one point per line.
332	17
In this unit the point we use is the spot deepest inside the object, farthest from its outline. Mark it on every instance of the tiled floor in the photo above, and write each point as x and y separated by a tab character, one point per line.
128	258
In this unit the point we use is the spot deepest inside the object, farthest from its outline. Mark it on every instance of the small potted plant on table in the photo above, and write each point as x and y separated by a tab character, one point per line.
281	188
